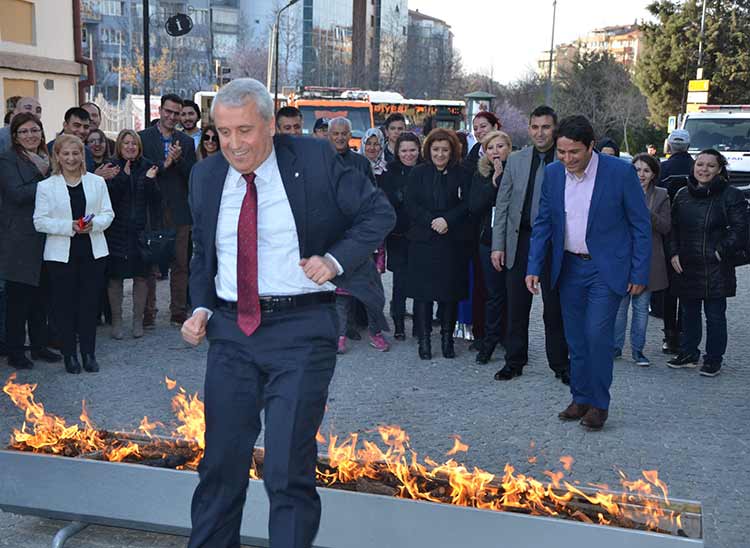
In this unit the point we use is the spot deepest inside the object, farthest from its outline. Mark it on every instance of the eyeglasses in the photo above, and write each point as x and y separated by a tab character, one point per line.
32	131
212	138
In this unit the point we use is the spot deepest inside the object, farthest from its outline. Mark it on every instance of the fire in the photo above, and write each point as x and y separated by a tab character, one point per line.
388	467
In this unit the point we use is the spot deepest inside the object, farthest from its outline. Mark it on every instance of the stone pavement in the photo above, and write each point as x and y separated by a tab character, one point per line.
694	430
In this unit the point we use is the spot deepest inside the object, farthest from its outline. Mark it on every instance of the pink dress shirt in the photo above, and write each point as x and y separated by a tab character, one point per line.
578	192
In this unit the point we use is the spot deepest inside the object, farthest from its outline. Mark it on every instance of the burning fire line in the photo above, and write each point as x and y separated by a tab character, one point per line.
389	468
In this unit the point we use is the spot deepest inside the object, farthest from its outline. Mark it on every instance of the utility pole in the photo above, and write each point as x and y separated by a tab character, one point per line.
146	68
699	71
548	90
276	53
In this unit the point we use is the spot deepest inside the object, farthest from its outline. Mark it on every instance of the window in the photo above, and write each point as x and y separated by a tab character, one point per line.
17	22
111	36
111	7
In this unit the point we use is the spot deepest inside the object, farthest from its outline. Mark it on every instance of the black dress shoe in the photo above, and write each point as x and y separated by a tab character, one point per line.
399	329
425	348
45	355
20	361
72	364
485	352
507	373
89	363
683	360
449	351
476	345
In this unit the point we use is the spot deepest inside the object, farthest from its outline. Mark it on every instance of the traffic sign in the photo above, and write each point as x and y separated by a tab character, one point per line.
699	85
178	25
697	97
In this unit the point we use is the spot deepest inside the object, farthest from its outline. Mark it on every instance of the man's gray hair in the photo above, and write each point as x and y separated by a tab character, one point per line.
241	91
340	121
679	146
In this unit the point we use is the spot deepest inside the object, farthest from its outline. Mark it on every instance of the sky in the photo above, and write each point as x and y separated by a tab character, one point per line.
509	36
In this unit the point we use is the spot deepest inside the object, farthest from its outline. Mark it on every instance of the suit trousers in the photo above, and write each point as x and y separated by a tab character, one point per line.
26	304
76	287
283	368
589	310
496	304
178	278
519	310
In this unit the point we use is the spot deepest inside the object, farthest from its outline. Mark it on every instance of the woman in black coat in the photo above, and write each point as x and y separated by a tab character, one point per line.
496	146
439	232
709	226
21	246
133	191
394	184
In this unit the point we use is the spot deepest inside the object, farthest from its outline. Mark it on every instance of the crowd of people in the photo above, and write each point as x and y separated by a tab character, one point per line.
82	213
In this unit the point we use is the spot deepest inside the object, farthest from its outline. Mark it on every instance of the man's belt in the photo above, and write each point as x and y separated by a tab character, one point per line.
283	302
584	256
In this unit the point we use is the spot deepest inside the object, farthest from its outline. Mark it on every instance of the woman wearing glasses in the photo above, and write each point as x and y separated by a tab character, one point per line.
209	143
22	247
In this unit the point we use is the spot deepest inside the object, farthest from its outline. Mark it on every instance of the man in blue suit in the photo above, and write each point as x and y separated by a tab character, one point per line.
277	222
594	214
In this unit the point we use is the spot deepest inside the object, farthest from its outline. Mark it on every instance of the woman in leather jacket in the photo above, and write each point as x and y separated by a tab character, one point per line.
709	227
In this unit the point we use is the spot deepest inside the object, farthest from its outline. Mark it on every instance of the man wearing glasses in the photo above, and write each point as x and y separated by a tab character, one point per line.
174	153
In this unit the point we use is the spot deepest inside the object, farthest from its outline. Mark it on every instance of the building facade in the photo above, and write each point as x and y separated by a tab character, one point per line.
38	56
430	47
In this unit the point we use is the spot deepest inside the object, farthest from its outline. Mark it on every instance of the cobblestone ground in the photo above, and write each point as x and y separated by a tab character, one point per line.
694	430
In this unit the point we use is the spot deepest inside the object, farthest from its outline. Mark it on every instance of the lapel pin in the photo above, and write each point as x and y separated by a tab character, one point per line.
296	174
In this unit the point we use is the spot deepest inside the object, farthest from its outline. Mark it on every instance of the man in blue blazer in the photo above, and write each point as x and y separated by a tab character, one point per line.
277	222
593	212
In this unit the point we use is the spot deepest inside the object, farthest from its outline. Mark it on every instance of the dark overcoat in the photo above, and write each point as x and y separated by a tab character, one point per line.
394	183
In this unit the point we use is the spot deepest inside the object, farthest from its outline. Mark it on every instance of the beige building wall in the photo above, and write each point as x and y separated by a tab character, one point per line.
38	55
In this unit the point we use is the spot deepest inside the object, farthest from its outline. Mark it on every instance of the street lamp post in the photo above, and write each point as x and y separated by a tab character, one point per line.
276	54
146	68
548	90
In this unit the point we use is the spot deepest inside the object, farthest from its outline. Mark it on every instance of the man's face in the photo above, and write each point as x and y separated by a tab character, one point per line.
169	114
394	131
321	132
289	125
542	132
96	119
574	155
29	104
189	118
76	126
246	137
339	135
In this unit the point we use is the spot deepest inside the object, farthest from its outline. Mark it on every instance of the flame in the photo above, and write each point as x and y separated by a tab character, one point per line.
352	459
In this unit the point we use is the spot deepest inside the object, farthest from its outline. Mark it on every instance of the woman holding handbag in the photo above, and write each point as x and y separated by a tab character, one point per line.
709	228
132	191
72	208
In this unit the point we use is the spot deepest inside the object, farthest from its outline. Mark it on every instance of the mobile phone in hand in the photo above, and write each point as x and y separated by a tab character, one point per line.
83	221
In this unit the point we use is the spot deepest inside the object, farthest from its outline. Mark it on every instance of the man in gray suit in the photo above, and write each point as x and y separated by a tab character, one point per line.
516	208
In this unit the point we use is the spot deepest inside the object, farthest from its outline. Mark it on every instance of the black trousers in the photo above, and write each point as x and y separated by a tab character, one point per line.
76	287
283	368
519	310
398	295
496	305
26	304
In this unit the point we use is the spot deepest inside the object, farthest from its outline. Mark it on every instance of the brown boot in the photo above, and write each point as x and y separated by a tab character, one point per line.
595	418
140	292
114	292
573	412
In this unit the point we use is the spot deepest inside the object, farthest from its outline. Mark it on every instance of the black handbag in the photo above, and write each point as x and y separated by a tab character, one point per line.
157	247
741	256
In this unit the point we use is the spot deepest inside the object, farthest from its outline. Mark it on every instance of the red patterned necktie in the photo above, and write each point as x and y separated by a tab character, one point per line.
248	304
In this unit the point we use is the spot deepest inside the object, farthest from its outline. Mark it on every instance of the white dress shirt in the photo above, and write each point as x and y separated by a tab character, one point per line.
279	272
578	192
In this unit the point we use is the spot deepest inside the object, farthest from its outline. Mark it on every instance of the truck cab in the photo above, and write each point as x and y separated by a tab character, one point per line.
727	129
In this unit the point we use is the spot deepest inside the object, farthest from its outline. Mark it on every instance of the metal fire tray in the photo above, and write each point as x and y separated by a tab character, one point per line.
158	500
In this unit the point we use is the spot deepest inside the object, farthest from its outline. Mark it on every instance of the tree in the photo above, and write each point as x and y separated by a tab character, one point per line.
601	89
515	122
162	69
670	54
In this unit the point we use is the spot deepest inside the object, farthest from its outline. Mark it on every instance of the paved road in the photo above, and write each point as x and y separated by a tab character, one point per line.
694	430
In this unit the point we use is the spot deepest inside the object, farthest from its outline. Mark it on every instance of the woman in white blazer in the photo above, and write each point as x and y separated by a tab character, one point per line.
73	209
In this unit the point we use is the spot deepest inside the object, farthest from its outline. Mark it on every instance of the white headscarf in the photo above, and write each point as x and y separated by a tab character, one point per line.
379	165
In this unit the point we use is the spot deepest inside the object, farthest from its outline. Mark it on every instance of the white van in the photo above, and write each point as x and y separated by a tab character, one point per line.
727	129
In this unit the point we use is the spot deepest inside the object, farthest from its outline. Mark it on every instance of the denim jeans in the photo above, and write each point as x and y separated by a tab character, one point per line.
716	327
637	326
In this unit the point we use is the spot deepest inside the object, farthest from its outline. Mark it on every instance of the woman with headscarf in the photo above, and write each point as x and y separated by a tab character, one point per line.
372	147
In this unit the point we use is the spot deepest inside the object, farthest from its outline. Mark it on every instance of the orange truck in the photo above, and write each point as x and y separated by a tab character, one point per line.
358	112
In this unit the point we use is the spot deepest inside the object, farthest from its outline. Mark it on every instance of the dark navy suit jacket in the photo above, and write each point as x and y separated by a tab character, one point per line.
336	210
618	234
